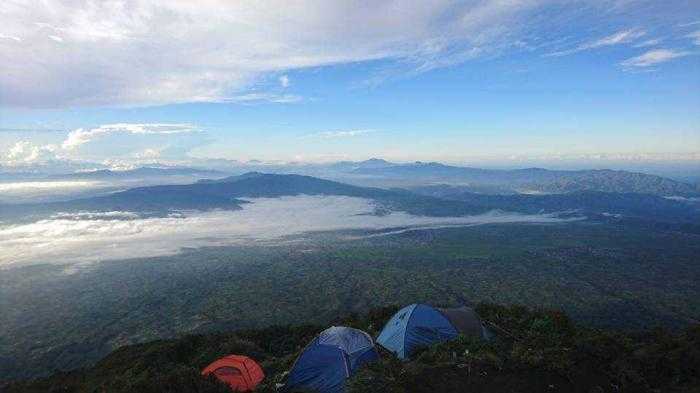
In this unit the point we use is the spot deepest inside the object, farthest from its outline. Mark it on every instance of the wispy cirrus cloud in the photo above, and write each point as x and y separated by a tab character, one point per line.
618	38
647	43
139	52
30	130
621	37
10	37
338	134
253	98
653	57
76	53
695	36
284	81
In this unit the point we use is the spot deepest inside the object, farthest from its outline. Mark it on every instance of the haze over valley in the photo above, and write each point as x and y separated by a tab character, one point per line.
88	237
115	245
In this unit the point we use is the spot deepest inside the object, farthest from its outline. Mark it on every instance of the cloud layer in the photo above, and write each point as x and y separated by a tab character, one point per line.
93	237
134	142
138	52
621	37
654	57
337	134
81	136
69	53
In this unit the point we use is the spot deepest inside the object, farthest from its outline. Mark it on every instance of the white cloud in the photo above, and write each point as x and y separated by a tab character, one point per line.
621	37
151	52
695	36
91	237
81	136
45	191
112	215
284	81
120	165
165	141
149	153
22	187
616	39
10	37
56	38
647	43
139	52
25	152
42	191
653	57
252	98
338	134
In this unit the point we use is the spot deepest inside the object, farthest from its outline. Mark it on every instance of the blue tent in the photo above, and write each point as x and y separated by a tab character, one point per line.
331	358
420	325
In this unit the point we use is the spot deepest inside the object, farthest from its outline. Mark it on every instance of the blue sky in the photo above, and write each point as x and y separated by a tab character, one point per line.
456	82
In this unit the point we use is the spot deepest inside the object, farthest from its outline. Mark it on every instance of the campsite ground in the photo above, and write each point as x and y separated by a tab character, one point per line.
543	352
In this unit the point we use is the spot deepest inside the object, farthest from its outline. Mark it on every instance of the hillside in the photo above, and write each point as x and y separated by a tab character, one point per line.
139	173
536	351
645	206
603	274
442	200
534	180
632	264
226	193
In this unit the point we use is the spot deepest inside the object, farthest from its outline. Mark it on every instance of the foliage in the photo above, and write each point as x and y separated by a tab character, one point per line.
536	350
601	275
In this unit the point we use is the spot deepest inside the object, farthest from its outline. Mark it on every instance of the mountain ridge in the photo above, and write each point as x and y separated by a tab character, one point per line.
143	171
228	193
498	181
538	179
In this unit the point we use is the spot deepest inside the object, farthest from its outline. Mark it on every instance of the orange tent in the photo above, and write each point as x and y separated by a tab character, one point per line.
241	373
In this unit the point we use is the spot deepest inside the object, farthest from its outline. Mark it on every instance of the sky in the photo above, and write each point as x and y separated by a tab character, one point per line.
129	82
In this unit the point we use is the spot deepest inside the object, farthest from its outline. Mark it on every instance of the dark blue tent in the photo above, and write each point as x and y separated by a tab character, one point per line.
420	325
331	358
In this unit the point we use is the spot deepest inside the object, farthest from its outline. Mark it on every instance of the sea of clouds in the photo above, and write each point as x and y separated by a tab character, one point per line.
45	191
90	237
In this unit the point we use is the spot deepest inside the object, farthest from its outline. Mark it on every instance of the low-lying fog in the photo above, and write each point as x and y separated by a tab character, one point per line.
45	191
88	237
39	191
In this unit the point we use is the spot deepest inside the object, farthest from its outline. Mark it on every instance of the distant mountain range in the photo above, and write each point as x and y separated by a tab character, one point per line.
228	193
372	163
225	193
139	173
533	180
377	172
